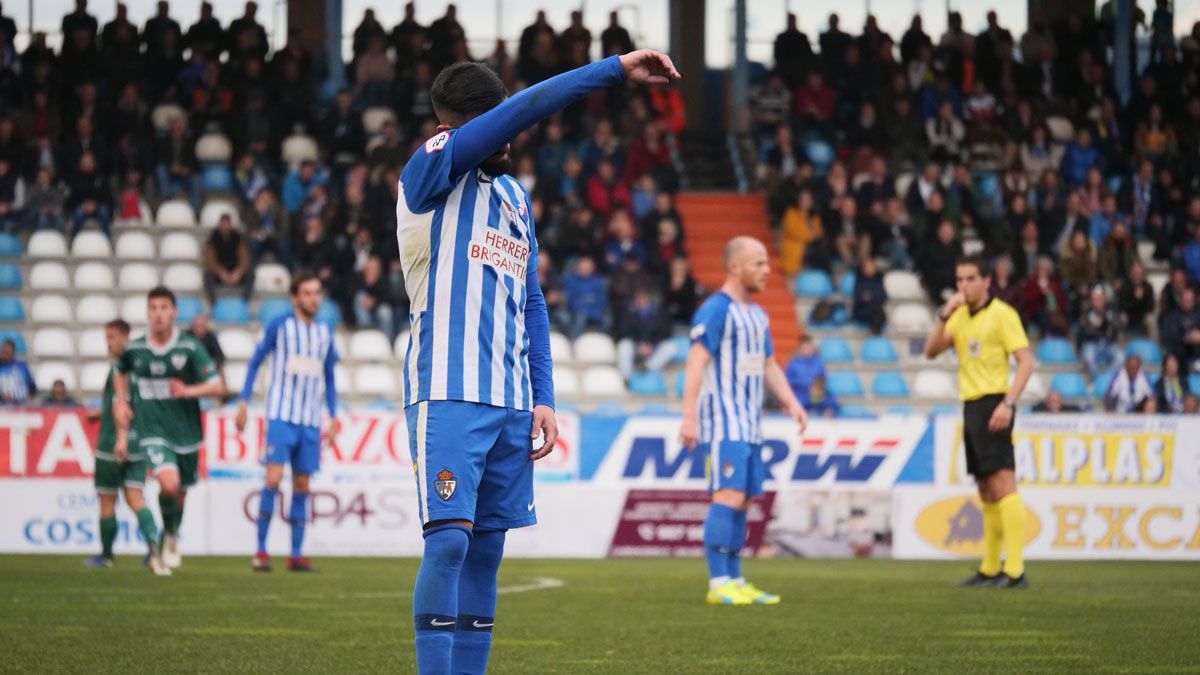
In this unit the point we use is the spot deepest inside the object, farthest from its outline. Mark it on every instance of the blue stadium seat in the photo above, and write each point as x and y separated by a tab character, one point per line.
188	307
231	310
989	185
216	178
844	384
11	309
683	344
1100	384
945	410
846	284
1194	383
856	412
835	350
841	316
329	313
10	276
648	384
10	246
16	336
381	404
655	409
679	385
1070	385
889	385
1056	350
900	410
609	410
813	284
820	153
272	307
1147	349
878	349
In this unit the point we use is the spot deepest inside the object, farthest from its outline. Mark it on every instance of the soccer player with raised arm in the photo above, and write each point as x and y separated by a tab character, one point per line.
125	471
158	382
302	360
730	363
477	372
984	332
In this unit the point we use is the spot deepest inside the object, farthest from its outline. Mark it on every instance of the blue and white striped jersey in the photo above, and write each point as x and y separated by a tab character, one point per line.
470	257
303	356
731	393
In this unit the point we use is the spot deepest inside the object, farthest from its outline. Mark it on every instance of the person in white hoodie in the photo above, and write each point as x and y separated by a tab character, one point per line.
1128	386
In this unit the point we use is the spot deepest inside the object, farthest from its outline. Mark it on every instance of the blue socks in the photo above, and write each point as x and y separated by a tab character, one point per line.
737	539
477	602
266	509
298	516
718	532
435	598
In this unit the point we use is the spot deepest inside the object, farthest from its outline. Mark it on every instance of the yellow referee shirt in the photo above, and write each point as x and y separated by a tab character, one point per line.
983	341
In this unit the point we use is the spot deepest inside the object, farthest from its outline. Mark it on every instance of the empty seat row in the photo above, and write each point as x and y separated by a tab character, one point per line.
133	245
929	384
875	349
817	284
142	276
594	381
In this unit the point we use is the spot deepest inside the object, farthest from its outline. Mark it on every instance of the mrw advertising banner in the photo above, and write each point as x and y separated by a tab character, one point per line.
1095	486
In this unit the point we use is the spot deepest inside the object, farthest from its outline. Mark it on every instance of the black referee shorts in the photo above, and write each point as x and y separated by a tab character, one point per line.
987	451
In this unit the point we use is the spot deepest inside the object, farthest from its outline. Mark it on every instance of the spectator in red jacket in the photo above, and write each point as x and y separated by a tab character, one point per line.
607	191
648	155
667	104
1045	301
815	101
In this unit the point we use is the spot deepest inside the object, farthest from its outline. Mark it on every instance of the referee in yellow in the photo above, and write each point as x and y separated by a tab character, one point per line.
984	331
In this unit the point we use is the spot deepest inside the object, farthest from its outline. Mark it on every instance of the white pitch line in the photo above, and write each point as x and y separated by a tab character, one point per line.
539	584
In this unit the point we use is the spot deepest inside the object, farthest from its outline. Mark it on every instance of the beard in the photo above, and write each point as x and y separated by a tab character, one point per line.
497	165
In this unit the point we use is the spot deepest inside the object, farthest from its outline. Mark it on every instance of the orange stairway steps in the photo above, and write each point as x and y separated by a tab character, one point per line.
710	220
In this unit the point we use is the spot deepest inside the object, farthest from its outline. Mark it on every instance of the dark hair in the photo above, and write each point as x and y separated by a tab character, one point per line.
981	263
161	292
119	325
300	278
464	90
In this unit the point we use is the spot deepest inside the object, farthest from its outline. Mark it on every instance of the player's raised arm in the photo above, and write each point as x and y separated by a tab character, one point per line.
479	138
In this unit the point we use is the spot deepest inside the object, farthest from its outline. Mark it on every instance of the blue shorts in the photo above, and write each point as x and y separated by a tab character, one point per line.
735	465
472	463
294	444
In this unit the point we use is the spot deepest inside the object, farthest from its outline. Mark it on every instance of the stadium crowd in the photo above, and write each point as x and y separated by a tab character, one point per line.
1021	146
871	153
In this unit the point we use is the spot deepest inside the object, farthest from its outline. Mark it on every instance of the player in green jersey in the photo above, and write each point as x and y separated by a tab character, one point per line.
115	472
165	374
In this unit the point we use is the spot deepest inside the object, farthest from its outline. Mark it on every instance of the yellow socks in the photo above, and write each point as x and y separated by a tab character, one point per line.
992	539
1011	511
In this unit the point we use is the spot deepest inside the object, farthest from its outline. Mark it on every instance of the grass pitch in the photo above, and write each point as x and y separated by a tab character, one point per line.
607	616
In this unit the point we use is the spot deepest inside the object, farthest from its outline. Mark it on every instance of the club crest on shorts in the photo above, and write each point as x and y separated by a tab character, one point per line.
727	470
445	484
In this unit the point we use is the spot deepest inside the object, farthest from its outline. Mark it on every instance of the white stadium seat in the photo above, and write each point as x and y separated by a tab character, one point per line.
95	308
603	381
595	348
46	244
236	344
133	310
235	377
90	244
1036	388
560	348
183	278
47	372
935	384
135	246
972	246
213	147
566	381
911	317
50	308
93	276
271	278
1061	130
399	347
175	213
90	343
93	376
137	277
374	118
903	182
179	246
48	276
51	343
1158	281
210	215
162	115
342	346
370	345
342	382
902	285
375	379
299	148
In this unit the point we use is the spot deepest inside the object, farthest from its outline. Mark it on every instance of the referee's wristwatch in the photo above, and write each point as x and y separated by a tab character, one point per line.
1012	405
